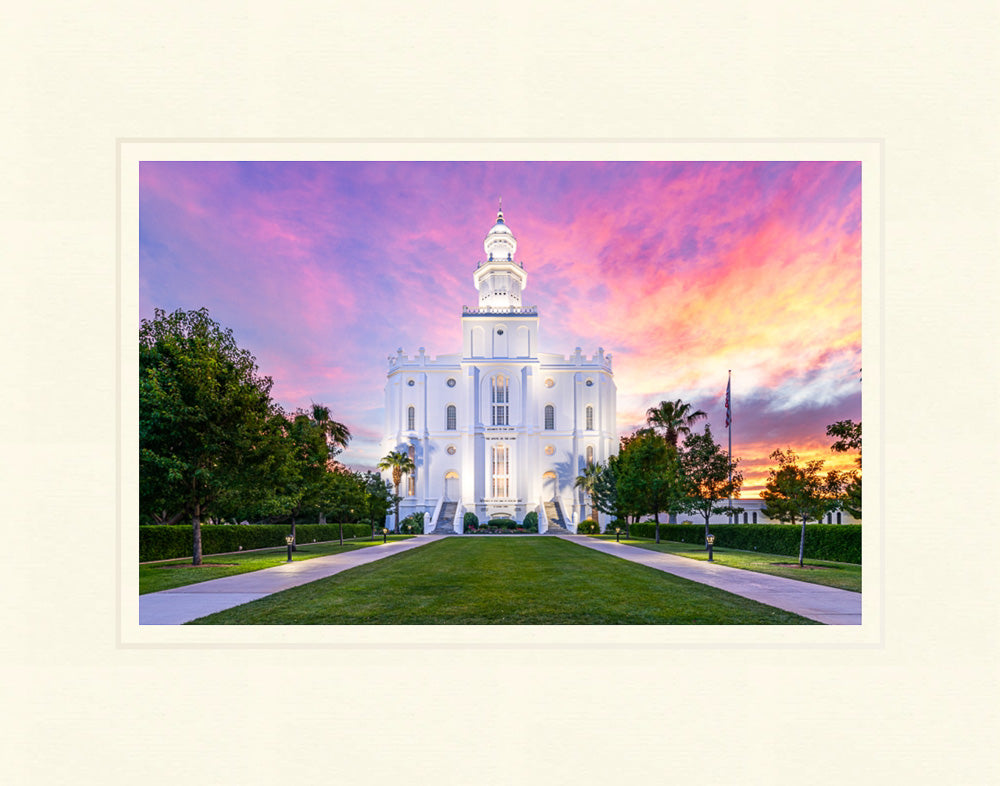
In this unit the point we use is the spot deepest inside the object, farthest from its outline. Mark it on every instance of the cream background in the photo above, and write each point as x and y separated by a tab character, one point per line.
917	705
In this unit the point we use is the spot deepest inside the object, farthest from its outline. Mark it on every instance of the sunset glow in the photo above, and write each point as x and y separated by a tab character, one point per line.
681	271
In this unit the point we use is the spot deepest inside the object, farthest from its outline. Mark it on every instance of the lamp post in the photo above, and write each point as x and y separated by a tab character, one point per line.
385	534
710	540
618	531
289	540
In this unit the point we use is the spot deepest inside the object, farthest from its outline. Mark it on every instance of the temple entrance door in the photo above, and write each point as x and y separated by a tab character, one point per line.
549	486
451	487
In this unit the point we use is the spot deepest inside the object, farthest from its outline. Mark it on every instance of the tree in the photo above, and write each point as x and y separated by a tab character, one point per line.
585	481
399	463
206	419
706	469
379	498
336	433
848	435
795	491
605	492
649	477
676	419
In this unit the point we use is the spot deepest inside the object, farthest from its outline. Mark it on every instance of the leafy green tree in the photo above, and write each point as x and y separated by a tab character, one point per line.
585	481
706	470
848	437
605	492
650	476
398	463
206	419
675	418
378	497
797	491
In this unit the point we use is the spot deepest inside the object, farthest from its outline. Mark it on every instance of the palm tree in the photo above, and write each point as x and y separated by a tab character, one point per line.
586	480
337	434
399	463
676	419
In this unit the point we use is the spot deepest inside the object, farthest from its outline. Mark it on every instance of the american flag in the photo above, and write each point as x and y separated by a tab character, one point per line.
729	411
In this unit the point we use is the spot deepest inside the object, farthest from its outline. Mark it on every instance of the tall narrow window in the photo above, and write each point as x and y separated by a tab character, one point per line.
590	418
746	518
590	454
550	417
755	517
452	418
501	471
500	400
838	517
411	486
411	418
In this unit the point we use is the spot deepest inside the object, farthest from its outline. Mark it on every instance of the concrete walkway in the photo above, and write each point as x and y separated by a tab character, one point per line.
183	604
828	605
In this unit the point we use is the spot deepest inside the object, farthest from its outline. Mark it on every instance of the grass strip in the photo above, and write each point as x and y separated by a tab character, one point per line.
154	577
842	575
503	581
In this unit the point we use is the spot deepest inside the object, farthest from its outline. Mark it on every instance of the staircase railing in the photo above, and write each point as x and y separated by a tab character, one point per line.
459	523
432	525
543	519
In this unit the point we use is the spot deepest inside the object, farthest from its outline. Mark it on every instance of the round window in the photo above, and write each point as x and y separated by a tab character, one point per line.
411	383
590	383
499	331
549	450
549	383
451	383
451	450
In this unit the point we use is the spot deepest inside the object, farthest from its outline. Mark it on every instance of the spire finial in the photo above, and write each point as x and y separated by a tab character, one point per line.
499	208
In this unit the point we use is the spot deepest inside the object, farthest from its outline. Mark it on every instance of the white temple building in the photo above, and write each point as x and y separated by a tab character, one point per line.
499	429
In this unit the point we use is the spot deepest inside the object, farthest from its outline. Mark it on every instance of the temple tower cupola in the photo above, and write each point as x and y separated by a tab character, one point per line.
500	243
500	280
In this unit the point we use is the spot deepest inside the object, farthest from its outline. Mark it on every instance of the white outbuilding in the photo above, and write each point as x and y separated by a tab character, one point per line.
499	429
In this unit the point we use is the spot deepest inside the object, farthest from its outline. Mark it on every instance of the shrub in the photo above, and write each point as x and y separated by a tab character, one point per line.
530	523
502	523
412	523
469	520
174	541
836	542
588	527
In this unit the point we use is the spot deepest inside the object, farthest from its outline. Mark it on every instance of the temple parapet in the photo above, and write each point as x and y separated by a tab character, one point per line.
402	360
599	358
530	311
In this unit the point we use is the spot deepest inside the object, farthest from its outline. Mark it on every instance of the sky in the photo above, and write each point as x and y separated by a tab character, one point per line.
681	270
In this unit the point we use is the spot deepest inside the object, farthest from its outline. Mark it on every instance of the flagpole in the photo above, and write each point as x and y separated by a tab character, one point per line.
729	422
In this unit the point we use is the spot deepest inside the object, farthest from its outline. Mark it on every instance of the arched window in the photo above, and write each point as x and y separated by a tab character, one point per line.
590	418
452	418
500	401
590	454
501	471
550	417
755	517
411	418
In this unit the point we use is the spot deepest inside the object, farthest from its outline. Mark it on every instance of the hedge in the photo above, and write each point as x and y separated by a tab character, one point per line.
169	542
836	542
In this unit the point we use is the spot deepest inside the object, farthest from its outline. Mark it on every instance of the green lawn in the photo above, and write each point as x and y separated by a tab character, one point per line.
842	575
503	581
180	572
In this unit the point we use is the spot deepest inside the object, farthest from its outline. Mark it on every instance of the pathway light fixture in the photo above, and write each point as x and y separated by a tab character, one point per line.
385	534
289	539
710	540
618	531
